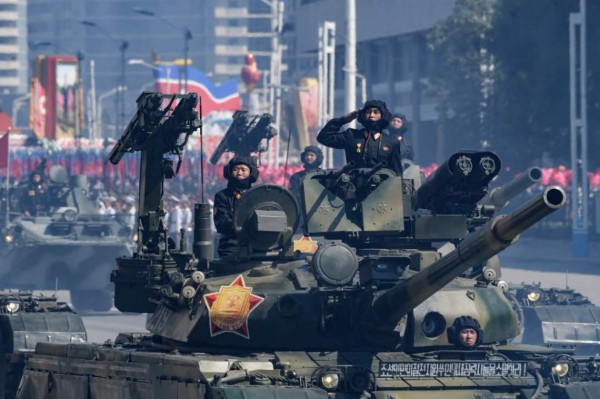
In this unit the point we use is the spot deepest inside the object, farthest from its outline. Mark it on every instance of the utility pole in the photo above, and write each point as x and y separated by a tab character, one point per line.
578	112
275	71
121	88
350	77
326	82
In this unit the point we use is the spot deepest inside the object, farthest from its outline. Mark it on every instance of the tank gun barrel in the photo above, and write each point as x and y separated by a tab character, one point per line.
459	183
499	196
478	247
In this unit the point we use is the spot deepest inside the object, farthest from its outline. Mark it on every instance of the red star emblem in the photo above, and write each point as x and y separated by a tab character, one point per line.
228	309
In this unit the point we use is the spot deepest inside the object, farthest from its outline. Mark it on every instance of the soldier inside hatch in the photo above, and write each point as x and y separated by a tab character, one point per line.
465	333
311	158
240	173
368	146
34	197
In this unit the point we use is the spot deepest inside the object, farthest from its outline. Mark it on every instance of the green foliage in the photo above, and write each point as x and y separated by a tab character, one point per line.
459	48
516	52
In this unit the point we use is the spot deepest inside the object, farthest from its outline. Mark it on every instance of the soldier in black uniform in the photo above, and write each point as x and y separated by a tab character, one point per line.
398	129
368	146
240	173
34	197
312	158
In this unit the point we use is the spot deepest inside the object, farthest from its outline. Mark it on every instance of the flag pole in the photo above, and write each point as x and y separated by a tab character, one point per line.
6	221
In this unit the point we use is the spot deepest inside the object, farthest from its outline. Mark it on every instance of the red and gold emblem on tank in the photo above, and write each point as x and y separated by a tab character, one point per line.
228	309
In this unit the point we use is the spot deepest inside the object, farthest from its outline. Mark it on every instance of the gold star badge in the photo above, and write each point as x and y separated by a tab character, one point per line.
228	309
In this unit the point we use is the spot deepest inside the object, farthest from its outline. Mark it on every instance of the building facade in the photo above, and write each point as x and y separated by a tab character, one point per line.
13	49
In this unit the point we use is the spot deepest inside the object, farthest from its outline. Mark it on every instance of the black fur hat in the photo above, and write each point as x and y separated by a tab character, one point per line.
314	149
386	115
248	161
461	323
402	131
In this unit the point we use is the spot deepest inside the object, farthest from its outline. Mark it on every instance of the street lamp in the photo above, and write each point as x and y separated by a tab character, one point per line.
123	45
187	36
143	63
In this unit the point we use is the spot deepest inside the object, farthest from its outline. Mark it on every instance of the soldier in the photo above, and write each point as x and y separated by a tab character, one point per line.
465	333
398	129
240	173
34	198
312	158
365	147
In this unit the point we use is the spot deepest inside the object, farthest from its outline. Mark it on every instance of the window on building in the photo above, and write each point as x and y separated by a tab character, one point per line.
8	24
8	40
8	73
379	61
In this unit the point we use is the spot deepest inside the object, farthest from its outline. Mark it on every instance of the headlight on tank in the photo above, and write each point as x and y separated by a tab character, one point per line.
330	380
560	369
12	307
135	237
534	296
70	215
9	238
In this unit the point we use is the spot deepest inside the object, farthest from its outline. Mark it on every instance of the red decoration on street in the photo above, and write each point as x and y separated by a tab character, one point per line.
250	73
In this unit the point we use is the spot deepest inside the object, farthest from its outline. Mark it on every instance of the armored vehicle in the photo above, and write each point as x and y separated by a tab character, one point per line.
369	315
552	317
26	319
69	245
556	317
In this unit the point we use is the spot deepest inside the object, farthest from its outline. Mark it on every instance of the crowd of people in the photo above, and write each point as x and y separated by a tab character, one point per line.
381	138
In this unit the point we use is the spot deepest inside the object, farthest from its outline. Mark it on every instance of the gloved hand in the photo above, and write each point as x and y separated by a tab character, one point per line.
351	116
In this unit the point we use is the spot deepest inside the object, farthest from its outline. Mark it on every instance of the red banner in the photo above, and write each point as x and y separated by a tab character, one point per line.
37	108
4	150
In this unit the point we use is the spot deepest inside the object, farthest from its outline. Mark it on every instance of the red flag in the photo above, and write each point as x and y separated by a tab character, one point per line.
4	150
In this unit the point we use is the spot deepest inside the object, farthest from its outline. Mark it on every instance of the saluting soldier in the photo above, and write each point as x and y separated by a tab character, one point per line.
368	146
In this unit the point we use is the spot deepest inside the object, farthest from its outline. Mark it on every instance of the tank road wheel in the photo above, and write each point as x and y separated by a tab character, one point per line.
96	300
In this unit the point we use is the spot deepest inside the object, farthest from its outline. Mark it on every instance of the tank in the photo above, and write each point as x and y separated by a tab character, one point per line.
556	317
549	316
26	319
69	247
366	316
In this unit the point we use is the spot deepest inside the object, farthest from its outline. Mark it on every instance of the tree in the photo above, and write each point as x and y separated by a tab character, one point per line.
530	109
462	73
502	78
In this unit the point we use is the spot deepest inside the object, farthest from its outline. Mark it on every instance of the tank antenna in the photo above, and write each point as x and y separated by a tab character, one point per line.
202	199
287	157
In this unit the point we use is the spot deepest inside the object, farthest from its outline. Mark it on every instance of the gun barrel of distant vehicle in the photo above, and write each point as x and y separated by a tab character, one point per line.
499	196
478	247
116	153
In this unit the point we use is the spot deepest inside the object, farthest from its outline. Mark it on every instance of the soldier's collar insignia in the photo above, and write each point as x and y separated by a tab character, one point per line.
376	136
228	309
